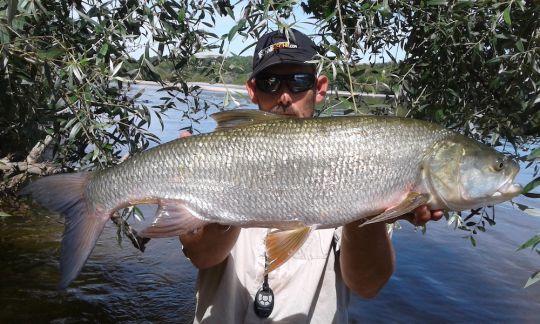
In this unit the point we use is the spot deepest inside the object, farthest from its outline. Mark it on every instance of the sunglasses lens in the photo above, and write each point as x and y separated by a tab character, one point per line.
298	82
301	82
268	84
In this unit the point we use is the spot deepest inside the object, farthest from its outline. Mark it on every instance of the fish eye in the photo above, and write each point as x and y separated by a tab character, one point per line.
498	165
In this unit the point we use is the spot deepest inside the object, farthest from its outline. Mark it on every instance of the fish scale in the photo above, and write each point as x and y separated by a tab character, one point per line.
316	171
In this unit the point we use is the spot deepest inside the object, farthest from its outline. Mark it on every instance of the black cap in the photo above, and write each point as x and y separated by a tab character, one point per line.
274	48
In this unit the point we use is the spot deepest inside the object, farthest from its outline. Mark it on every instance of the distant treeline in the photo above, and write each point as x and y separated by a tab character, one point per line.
236	70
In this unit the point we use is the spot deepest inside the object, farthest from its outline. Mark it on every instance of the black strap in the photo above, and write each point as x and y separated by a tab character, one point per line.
264	298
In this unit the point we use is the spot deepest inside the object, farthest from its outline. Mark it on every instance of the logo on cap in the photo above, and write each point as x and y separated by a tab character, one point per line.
275	47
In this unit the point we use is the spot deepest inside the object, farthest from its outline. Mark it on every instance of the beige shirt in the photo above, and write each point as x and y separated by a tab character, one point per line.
308	288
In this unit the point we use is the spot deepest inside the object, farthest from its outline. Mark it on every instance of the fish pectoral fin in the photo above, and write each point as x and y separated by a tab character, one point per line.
173	218
410	203
281	245
243	117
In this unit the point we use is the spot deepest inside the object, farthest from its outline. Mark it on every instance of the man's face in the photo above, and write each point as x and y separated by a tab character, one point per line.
284	101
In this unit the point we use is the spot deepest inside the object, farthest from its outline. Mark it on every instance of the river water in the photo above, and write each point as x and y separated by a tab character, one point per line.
440	277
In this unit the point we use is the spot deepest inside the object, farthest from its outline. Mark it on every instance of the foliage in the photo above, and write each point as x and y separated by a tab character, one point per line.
473	66
532	243
63	74
470	65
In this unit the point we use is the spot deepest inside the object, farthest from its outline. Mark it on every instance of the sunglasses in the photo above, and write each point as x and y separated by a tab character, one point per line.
297	82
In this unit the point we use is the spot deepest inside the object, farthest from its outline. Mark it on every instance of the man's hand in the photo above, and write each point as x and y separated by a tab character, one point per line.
422	215
210	245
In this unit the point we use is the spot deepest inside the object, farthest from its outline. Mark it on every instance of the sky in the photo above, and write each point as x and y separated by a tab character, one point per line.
239	43
302	21
223	25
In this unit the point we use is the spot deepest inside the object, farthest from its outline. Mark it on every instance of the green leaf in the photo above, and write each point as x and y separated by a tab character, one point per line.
519	45
535	277
104	49
226	99
181	15
439	115
230	12
74	131
437	3
473	241
12	9
150	66
85	17
506	15
235	29
138	214
531	185
4	214
535	154
50	53
531	243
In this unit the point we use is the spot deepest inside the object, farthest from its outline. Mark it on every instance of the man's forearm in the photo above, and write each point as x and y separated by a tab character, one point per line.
210	245
367	258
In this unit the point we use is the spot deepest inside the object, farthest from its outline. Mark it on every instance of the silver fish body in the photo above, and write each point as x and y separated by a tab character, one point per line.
285	173
325	172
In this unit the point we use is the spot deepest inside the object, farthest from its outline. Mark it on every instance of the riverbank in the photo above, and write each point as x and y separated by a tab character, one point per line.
241	89
213	87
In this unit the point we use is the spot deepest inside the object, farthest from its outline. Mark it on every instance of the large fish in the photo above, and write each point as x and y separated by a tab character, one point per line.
297	175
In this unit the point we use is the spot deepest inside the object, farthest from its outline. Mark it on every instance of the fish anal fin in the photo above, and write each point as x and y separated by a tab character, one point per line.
281	245
243	117
407	205
173	218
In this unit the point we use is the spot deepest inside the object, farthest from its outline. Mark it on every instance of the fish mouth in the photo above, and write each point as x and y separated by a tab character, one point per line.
508	189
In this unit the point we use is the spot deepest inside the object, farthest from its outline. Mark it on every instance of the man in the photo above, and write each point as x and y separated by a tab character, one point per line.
313	286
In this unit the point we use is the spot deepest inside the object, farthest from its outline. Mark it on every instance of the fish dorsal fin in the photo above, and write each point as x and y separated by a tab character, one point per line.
281	245
173	218
243	117
407	205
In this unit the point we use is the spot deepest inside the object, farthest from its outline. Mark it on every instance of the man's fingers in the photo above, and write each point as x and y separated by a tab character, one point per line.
437	214
422	215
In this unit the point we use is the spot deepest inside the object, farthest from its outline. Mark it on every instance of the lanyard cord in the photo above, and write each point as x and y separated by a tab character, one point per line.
265	282
264	298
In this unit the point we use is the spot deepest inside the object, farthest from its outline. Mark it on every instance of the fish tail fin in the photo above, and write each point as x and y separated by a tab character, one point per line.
65	193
